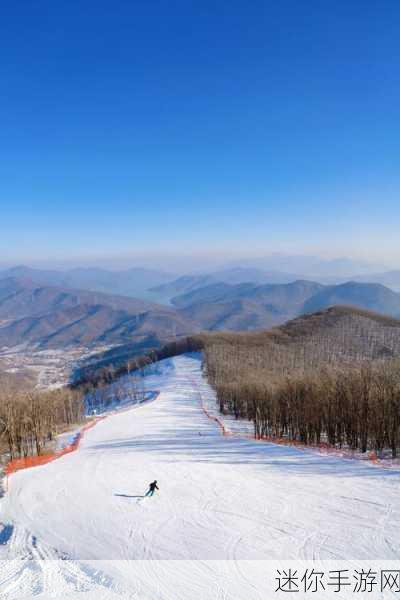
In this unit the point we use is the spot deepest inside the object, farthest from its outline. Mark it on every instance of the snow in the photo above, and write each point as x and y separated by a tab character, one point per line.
226	505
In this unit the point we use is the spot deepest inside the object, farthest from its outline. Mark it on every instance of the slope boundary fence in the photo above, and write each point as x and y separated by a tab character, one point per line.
322	448
220	423
27	462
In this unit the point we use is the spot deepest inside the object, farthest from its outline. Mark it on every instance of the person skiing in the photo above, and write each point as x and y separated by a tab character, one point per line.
152	488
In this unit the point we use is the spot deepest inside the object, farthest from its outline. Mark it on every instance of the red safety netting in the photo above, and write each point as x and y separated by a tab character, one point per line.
27	462
35	461
322	447
224	430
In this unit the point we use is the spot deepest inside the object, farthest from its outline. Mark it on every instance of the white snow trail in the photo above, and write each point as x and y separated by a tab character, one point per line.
224	504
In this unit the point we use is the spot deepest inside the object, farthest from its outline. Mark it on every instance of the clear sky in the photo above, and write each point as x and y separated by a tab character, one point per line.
230	128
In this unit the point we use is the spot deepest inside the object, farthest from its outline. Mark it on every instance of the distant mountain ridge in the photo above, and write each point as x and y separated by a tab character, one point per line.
389	279
312	267
370	296
130	282
249	307
148	284
25	298
160	286
231	276
55	317
60	317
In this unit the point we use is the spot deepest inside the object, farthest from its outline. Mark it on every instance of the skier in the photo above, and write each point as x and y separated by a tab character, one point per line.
152	488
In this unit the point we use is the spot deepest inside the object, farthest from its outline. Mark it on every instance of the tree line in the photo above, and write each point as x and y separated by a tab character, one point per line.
357	406
100	376
30	419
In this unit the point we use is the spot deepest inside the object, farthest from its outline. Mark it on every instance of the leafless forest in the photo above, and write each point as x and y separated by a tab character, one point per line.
331	377
30	419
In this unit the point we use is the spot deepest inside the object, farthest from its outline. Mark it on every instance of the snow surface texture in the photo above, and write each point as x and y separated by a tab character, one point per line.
225	505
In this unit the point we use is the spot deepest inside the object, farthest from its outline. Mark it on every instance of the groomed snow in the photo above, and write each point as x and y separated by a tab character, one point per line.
222	501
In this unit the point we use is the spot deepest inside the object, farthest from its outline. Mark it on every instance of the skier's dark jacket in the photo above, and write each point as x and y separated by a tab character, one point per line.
153	486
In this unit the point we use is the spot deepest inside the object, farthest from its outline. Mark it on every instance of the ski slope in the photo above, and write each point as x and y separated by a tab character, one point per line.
225	505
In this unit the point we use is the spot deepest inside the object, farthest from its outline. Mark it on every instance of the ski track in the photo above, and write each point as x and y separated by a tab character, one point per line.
79	525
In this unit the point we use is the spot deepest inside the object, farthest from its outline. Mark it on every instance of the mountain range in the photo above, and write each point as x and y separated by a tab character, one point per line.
149	284
60	317
250	307
133	282
56	317
160	286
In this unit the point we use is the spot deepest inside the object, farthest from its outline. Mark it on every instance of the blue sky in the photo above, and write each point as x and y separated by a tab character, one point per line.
130	129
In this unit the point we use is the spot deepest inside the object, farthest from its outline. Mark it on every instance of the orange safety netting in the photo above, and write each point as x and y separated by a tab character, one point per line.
321	447
35	461
205	411
27	462
220	423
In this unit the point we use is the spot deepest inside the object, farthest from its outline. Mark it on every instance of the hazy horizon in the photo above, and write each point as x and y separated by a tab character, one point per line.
300	264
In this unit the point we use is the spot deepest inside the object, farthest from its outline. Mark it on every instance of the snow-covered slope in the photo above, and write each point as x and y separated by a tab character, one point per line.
220	499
